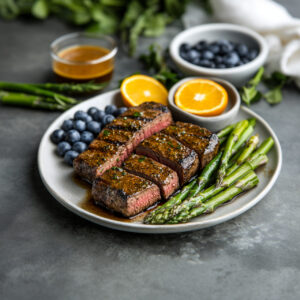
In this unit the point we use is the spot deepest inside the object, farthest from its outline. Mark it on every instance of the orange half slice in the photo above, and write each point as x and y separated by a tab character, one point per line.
202	97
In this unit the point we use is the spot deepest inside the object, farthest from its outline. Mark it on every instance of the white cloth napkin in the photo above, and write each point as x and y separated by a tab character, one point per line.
272	20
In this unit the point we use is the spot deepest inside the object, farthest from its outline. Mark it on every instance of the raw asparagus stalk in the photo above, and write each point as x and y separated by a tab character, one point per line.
27	88
233	138
222	140
71	88
250	147
249	181
30	101
264	148
244	136
224	132
200	183
183	210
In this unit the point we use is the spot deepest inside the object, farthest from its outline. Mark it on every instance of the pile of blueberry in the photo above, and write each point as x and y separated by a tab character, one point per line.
76	134
220	54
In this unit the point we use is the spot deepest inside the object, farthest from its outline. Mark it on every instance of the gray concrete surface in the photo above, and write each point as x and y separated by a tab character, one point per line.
46	252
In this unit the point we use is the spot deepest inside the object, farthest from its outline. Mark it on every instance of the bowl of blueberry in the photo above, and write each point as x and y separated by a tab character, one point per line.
227	51
75	134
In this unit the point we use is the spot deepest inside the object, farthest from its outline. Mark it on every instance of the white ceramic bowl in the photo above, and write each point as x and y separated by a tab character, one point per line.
212	32
213	123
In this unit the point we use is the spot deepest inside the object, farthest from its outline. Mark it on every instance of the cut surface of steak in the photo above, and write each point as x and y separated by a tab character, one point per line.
168	151
98	158
200	139
123	134
161	175
123	192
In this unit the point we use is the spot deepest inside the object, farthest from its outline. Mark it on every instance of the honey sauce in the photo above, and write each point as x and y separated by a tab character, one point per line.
83	63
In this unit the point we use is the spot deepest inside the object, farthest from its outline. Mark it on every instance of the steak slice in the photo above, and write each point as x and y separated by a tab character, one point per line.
123	192
200	139
168	151
100	153
161	175
123	134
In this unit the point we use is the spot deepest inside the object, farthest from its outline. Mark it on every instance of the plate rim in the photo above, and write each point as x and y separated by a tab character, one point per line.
161	228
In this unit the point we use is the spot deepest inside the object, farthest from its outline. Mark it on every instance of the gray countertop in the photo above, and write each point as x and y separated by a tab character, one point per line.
49	253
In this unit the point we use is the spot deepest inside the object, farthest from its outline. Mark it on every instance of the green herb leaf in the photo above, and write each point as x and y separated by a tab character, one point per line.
106	132
141	159
274	96
136	114
40	9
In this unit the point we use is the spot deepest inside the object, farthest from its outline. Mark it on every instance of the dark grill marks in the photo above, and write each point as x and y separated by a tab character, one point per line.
124	134
172	153
161	175
200	139
123	192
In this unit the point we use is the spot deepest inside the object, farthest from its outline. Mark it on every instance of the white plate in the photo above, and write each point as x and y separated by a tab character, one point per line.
58	177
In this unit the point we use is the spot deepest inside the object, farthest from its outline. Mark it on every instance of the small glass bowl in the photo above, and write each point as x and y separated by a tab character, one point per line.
99	69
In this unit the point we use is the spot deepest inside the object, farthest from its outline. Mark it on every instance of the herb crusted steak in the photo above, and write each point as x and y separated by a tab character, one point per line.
167	150
200	139
123	192
161	175
118	139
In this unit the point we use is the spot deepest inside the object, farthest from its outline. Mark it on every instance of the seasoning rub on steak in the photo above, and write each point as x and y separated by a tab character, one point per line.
123	134
200	139
168	151
161	175
124	192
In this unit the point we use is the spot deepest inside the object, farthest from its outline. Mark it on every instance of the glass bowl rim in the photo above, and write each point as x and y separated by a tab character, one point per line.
95	36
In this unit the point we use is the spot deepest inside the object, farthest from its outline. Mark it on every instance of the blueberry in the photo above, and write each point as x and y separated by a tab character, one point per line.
214	48
70	156
184	48
93	127
98	116
226	46
92	110
221	66
88	119
205	63
252	54
207	54
86	137
120	111
242	49
79	125
245	60
72	136
79	147
231	59
202	45
67	125
62	148
192	55
107	119
57	136
110	109
81	115
218	59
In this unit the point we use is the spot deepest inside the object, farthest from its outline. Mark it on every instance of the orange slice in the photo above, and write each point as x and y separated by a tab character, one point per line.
138	89
201	97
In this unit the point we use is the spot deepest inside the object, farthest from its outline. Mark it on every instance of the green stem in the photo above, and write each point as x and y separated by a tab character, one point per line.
225	131
249	181
28	88
233	138
20	99
251	145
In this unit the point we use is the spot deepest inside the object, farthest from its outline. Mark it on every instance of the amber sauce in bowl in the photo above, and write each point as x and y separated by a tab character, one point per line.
81	57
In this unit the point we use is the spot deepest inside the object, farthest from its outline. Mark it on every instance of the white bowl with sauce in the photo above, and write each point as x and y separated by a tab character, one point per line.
214	123
212	32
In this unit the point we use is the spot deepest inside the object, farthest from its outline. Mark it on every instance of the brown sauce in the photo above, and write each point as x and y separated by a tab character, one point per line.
88	204
79	68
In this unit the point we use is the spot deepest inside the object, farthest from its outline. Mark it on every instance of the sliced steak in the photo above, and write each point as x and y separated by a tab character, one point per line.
100	153
200	139
168	151
123	134
123	192
161	175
